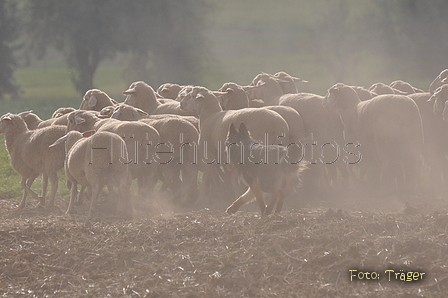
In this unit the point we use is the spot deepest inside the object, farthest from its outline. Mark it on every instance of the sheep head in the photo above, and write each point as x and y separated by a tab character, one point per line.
127	113
11	121
440	80
139	91
287	82
79	120
233	97
95	100
71	138
440	99
184	92
169	90
340	96
195	100
62	111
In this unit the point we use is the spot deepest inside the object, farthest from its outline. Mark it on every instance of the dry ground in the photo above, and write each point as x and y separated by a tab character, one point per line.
306	251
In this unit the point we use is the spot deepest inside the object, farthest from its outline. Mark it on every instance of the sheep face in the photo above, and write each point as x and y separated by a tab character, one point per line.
233	98
62	111
138	90
107	112
127	113
340	96
193	102
184	92
12	121
81	120
169	90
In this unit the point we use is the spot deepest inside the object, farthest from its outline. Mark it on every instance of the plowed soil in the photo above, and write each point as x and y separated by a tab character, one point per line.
306	251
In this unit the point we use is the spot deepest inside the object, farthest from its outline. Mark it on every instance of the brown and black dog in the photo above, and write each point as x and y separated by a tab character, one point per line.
263	168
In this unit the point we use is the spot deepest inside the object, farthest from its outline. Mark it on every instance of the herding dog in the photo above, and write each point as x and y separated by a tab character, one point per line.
263	168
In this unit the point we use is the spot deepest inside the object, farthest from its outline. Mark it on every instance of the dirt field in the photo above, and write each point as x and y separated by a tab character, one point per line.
306	251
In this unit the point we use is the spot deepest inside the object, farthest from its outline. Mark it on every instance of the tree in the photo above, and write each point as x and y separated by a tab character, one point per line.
9	29
85	31
164	33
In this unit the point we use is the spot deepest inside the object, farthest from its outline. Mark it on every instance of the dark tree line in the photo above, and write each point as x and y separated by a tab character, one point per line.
9	29
164	39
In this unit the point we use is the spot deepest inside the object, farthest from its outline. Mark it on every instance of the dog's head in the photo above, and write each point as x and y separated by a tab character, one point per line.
234	136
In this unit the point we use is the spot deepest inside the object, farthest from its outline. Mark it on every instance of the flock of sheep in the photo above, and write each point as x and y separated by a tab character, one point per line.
377	138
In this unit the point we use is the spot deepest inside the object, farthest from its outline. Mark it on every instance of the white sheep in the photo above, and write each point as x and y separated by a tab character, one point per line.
435	142
405	87
169	90
95	100
95	161
30	155
381	88
363	93
288	82
269	89
214	124
182	137
234	97
33	121
324	131
141	140
62	111
440	80
142	96
389	129
440	104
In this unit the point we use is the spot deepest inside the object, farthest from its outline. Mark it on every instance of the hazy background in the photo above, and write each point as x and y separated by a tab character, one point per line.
58	44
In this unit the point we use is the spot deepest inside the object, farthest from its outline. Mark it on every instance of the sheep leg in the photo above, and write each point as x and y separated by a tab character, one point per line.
54	187
26	184
44	188
190	183
27	187
124	206
73	195
80	196
23	182
95	192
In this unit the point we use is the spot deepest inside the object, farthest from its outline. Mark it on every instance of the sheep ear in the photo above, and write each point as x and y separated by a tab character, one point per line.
158	95
218	93
114	101
200	96
79	120
88	133
298	80
129	91
59	141
247	88
6	118
102	116
92	101
24	113
140	111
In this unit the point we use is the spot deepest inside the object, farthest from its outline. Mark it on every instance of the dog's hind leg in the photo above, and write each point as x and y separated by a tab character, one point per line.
245	198
273	199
